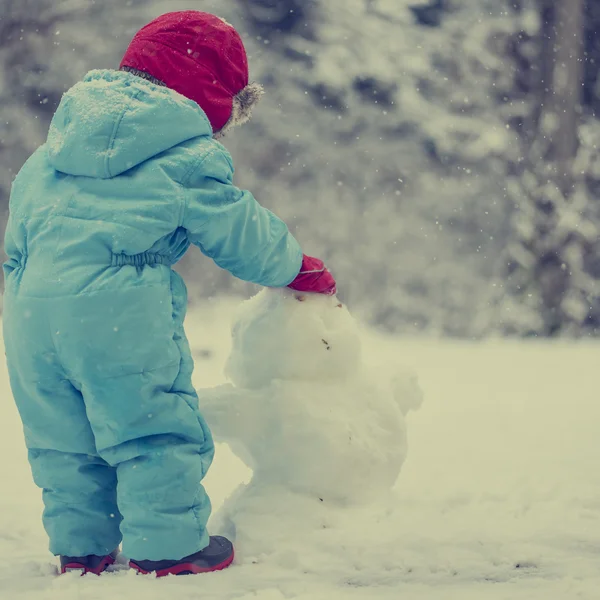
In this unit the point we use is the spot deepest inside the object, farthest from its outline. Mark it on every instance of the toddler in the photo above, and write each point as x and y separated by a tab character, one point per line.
99	364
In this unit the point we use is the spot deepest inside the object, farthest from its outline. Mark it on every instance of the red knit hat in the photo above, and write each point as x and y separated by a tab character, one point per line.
203	58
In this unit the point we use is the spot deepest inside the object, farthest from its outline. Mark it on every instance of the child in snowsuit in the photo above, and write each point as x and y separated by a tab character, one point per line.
99	364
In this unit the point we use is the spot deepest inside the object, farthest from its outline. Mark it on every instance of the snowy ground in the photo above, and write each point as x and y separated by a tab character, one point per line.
499	497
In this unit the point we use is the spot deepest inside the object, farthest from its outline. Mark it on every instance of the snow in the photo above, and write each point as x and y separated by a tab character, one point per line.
499	496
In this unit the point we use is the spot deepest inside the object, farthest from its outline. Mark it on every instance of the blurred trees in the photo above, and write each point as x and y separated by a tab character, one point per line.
550	287
273	17
381	146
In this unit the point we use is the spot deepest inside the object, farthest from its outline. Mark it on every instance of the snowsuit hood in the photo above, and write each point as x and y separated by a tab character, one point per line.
111	122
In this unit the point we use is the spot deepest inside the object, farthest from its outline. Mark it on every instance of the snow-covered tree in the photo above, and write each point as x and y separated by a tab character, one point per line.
550	288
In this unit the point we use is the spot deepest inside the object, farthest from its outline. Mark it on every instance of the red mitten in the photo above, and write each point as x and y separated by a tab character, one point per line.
314	278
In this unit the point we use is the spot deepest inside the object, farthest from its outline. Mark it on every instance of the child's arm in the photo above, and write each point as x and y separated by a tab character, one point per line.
233	229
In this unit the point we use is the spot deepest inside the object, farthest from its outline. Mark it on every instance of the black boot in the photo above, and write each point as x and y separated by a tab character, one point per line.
216	556
87	564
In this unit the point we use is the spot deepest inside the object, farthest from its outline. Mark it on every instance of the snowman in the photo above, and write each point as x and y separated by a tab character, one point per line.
321	431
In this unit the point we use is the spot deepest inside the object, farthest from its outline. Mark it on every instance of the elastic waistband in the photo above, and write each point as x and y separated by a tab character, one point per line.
138	260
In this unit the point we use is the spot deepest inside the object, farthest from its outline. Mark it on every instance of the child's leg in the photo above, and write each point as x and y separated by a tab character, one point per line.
81	514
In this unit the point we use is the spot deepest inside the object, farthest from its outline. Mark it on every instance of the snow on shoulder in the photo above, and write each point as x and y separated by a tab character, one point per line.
320	430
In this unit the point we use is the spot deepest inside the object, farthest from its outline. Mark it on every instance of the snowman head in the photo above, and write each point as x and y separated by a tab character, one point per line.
276	337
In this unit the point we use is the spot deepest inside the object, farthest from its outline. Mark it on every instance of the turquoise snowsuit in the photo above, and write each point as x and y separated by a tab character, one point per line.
99	364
